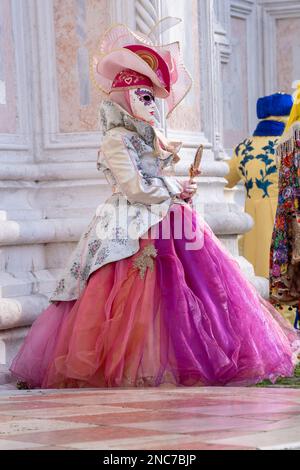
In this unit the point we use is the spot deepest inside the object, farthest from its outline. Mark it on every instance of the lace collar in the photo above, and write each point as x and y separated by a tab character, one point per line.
113	115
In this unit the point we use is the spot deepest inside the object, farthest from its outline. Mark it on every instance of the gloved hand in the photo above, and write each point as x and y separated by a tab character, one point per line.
189	189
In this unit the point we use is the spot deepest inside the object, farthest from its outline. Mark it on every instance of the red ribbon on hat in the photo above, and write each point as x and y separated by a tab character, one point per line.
128	78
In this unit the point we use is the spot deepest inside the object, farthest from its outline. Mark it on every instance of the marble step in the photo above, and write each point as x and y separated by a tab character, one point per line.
222	218
13	285
6	379
10	342
20	311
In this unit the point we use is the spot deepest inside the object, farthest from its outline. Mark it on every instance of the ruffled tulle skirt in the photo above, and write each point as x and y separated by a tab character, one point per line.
179	311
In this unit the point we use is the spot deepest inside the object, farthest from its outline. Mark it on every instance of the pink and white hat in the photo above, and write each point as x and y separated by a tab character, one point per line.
128	78
122	49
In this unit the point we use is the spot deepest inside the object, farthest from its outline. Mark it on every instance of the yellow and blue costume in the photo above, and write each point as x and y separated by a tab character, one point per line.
254	162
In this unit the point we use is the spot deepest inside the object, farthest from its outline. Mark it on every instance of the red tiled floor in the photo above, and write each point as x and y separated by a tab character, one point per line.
178	418
30	405
246	408
168	404
128	417
82	435
6	419
204	446
43	396
202	424
51	448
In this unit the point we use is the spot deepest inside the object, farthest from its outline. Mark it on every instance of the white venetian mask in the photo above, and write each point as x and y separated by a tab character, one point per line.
143	105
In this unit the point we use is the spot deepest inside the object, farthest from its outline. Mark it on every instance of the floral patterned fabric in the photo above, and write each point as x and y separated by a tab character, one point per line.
254	163
267	168
120	222
284	255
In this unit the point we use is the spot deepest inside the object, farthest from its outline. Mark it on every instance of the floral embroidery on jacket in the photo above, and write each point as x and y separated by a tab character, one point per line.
135	155
94	247
75	270
103	119
245	149
85	272
60	287
270	167
103	253
112	115
104	219
246	158
138	144
90	228
120	236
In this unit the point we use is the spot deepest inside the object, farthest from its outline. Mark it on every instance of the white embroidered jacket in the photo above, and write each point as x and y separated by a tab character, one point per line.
134	164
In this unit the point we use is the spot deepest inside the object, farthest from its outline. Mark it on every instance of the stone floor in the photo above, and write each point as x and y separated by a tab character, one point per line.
164	418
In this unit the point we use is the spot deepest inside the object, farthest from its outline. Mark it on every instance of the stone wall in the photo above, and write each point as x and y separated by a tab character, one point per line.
49	136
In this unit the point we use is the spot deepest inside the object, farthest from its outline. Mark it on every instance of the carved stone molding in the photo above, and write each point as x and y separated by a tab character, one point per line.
222	16
123	12
269	12
246	10
13	144
221	29
53	139
146	14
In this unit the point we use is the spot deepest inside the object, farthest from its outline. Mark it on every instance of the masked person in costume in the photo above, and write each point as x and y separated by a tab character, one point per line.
150	295
285	247
254	162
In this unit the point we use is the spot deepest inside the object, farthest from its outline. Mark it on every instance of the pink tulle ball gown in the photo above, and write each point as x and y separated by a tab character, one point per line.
167	314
